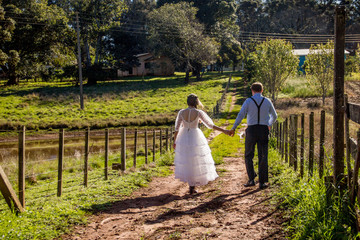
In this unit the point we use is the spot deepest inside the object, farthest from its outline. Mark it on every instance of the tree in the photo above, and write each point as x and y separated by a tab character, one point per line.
274	63
129	39
175	32
320	67
219	19
97	17
41	37
7	26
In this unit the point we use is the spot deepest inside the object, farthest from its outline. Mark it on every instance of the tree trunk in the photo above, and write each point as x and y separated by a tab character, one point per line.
11	74
87	51
13	80
187	76
97	50
187	70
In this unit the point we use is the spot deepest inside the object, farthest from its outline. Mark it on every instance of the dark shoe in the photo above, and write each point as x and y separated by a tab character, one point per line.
250	183
192	190
263	185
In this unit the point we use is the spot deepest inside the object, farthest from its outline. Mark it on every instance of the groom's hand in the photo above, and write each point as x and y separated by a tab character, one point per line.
231	132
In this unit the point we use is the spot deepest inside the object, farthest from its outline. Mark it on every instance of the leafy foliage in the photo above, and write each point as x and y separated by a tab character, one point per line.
320	67
35	48
175	32
274	63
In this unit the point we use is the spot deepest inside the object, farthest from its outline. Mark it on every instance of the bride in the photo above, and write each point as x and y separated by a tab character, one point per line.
193	161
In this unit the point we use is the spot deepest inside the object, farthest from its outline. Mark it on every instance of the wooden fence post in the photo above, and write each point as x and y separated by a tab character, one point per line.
160	141
86	162
135	147
302	145
106	172
356	171
322	140
347	142
9	193
154	144
146	147
295	142
286	142
282	125
338	98
22	166
167	139
277	135
60	162
171	137
282	140
291	138
280	134
311	144
123	149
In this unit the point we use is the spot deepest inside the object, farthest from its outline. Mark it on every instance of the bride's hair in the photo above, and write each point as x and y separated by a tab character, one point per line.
193	101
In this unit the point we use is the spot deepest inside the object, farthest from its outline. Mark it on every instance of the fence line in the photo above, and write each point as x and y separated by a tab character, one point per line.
287	145
162	140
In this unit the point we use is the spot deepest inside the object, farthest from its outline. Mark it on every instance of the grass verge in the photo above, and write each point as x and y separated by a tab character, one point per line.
312	212
48	216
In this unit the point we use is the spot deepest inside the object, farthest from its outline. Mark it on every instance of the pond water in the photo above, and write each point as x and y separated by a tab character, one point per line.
46	147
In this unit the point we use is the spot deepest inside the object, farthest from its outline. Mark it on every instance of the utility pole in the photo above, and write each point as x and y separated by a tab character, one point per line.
79	62
338	100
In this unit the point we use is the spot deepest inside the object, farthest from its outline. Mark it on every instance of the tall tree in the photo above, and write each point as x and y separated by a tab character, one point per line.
129	39
219	18
320	67
274	63
7	26
39	39
96	18
175	32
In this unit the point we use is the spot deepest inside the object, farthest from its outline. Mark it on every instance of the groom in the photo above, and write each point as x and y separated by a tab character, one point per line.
261	115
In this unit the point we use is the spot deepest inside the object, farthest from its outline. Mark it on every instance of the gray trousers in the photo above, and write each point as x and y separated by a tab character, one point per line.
257	135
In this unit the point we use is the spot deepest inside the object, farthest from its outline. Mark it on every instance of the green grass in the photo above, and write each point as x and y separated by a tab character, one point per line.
48	216
299	87
311	214
352	77
133	101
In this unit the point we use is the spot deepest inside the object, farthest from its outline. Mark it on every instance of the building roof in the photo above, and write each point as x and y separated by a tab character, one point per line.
306	51
142	54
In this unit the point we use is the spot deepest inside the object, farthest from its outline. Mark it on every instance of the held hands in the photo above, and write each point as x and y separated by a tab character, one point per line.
229	132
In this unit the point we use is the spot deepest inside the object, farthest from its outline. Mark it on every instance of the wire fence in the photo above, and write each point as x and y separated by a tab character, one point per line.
299	152
74	160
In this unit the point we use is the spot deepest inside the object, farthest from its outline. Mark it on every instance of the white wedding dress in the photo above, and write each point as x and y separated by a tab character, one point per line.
193	161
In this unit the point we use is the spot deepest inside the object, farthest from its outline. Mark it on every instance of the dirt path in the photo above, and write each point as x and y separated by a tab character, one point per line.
223	209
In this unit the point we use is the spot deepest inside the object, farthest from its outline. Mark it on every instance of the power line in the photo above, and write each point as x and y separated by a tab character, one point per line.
134	28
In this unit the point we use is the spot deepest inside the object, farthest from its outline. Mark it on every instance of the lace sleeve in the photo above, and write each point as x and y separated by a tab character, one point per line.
208	122
178	121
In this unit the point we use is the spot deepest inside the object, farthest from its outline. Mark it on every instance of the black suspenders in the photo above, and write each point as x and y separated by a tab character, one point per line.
258	106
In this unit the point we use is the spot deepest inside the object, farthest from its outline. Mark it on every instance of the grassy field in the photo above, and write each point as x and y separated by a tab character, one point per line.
128	102
299	86
48	216
303	202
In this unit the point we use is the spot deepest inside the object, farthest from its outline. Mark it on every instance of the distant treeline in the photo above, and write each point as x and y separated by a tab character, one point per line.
39	38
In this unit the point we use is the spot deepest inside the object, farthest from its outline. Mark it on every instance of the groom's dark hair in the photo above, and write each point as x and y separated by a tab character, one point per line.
257	87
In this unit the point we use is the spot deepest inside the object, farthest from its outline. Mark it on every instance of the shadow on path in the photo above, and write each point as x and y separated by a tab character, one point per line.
213	204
